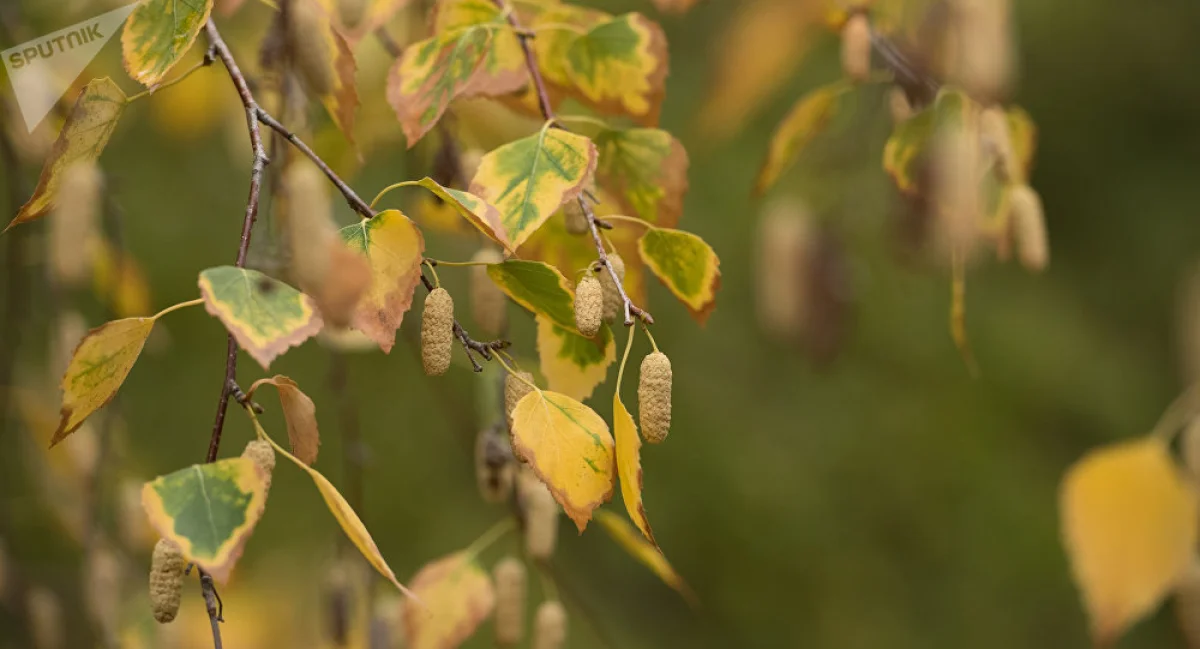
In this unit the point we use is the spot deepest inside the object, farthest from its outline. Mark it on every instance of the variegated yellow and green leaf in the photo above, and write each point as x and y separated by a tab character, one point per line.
538	287
97	369
558	26
503	69
209	510
157	35
83	137
807	119
620	66
569	447
686	265
478	212
529	179
906	149
572	364
646	169
325	61
265	316
432	73
394	247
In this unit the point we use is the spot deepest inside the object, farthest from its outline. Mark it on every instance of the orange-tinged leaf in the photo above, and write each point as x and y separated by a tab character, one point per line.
807	119
620	66
432	73
209	510
98	368
478	212
629	466
648	555
394	247
569	447
265	316
349	521
300	413
686	265
572	364
83	137
158	34
459	596
1130	528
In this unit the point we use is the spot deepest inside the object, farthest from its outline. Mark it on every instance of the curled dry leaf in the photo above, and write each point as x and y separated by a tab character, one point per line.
300	413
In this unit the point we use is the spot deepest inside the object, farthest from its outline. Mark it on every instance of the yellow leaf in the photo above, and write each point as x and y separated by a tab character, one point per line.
629	466
459	596
807	119
394	248
349	521
572	364
300	413
1129	527
569	447
97	370
646	554
158	34
620	66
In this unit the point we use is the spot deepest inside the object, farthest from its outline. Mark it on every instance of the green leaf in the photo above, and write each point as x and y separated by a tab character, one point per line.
157	35
910	139
558	26
265	316
481	214
572	364
807	119
394	247
620	66
646	169
98	368
686	265
209	510
529	179
83	137
538	287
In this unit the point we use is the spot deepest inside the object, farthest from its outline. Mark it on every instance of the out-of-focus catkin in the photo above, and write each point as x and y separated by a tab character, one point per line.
488	303
541	515
514	389
985	54
166	580
46	623
437	332
102	577
550	626
310	46
589	305
1029	228
574	219
74	224
993	128
614	306
136	532
785	247
654	397
899	105
264	456
511	588
856	47
494	465
956	195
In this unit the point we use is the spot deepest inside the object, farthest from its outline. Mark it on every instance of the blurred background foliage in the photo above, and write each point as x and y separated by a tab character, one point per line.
879	498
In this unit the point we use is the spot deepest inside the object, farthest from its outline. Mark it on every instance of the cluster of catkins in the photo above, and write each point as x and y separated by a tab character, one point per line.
167	563
549	622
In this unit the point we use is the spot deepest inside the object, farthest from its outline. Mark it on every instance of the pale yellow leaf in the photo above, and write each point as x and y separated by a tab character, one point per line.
459	596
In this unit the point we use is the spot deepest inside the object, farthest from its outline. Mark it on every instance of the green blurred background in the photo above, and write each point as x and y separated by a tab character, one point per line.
884	499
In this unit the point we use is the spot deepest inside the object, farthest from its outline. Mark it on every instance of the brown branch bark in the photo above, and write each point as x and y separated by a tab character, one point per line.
539	85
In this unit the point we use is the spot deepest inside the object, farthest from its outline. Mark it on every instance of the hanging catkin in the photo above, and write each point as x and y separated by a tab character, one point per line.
494	465
516	386
46	623
73	224
166	580
1029	228
574	218
541	515
264	456
589	305
310	46
550	626
488	303
511	586
614	306
654	397
437	332
856	47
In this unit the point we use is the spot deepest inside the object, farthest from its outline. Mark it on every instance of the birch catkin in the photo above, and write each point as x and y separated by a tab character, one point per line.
1029	228
166	580
614	306
437	332
488	303
514	389
550	626
73	225
264	456
654	397
310	46
589	305
856	47
575	220
511	586
494	465
541	516
46	621
899	105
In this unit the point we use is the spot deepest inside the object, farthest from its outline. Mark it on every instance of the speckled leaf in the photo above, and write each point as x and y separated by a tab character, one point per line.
569	447
572	364
98	368
529	179
686	265
646	169
503	69
83	137
431	73
394	246
458	596
807	119
620	66
538	287
481	214
157	35
646	554
299	412
209	510
265	316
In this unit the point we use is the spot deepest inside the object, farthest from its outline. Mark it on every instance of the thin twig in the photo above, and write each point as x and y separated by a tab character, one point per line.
212	602
539	85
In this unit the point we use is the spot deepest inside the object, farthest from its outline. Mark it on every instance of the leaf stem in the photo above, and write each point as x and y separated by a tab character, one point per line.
209	57
649	335
458	264
176	307
436	281
1182	410
485	540
385	190
625	357
515	374
630	219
